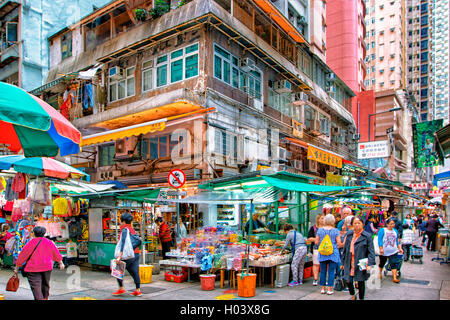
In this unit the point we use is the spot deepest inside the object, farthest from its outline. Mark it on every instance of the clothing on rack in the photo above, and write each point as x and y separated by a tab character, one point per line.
19	182
10	194
39	192
88	100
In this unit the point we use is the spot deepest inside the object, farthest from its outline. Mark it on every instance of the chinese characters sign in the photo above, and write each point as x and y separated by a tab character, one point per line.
419	186
423	138
334	179
324	157
373	149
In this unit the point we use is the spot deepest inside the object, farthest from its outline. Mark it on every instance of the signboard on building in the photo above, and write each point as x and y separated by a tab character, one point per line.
436	193
419	186
425	154
334	179
324	157
373	149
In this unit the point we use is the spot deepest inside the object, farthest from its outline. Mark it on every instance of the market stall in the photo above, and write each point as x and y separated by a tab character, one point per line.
105	209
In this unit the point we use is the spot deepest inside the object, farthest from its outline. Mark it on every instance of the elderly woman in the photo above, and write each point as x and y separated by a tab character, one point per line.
39	254
311	239
358	246
328	263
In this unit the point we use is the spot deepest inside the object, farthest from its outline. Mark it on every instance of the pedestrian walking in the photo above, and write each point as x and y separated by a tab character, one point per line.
398	224
164	236
346	211
370	225
358	247
433	226
407	241
388	241
408	221
132	264
38	256
423	229
312	233
298	245
328	239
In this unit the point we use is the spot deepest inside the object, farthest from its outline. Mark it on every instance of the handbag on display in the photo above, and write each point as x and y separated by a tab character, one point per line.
13	283
22	268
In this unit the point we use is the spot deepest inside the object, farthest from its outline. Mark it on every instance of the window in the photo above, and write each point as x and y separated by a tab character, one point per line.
11	32
424	116
424	56
122	88
373	44
424	20
324	125
423	44
392	68
161	147
66	45
373	81
147	75
274	99
423	68
225	144
286	104
180	64
423	105
373	32
107	153
309	115
424	32
381	84
381	70
423	93
226	69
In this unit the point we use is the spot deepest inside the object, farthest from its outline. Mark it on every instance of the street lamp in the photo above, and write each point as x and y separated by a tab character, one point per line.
374	114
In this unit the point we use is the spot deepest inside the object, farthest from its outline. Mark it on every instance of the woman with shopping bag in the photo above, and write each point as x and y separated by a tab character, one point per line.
358	257
36	260
128	253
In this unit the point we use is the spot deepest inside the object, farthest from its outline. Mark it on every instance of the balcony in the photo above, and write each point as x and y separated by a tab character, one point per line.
6	6
9	52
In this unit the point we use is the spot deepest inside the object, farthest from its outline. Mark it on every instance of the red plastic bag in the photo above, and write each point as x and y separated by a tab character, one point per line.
13	283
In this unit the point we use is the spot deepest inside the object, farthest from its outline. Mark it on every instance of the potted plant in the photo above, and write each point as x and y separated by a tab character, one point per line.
140	14
161	7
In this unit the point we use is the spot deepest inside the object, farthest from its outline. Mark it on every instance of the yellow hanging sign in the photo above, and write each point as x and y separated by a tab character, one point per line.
324	157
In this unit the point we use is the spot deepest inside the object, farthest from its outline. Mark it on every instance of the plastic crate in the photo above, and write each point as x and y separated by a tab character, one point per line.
175	276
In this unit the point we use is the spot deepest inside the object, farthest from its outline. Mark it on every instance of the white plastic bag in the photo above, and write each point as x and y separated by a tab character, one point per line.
376	247
128	252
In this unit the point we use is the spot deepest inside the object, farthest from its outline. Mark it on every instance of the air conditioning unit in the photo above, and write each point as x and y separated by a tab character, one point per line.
300	98
312	166
116	73
247	64
126	148
315	128
107	175
283	154
282	86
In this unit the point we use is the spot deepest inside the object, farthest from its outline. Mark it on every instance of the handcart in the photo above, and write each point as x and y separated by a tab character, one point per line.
416	253
398	259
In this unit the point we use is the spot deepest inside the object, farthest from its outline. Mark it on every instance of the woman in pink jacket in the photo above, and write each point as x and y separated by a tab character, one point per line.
39	254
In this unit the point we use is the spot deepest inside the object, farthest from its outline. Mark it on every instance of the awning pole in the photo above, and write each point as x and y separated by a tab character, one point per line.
308	210
299	211
250	227
276	216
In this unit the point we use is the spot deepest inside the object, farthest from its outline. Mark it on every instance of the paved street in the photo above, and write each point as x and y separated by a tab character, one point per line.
427	281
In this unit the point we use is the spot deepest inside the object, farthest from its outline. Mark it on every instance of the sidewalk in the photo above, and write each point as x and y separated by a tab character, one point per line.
427	281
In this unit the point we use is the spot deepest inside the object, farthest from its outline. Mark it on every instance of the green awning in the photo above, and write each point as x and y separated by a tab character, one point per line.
292	185
140	195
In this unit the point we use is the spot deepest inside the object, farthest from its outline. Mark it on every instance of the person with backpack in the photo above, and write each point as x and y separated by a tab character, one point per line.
312	233
164	236
37	258
298	244
329	240
132	265
388	241
358	246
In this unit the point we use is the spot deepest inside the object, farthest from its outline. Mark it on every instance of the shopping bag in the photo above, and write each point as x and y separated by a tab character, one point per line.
326	246
128	252
13	283
376	247
117	269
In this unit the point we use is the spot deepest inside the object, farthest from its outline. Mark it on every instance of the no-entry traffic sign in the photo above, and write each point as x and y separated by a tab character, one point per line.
176	178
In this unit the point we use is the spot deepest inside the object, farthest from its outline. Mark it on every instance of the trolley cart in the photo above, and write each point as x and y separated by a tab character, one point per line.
416	253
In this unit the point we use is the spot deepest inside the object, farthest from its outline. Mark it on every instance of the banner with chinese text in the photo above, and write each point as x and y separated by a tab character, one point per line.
425	154
324	157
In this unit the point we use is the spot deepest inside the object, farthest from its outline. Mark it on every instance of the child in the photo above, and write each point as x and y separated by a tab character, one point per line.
407	241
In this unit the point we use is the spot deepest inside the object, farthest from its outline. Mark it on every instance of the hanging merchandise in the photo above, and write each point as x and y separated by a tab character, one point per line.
65	107
10	194
16	214
75	229
64	227
60	207
39	192
8	206
71	248
2	184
